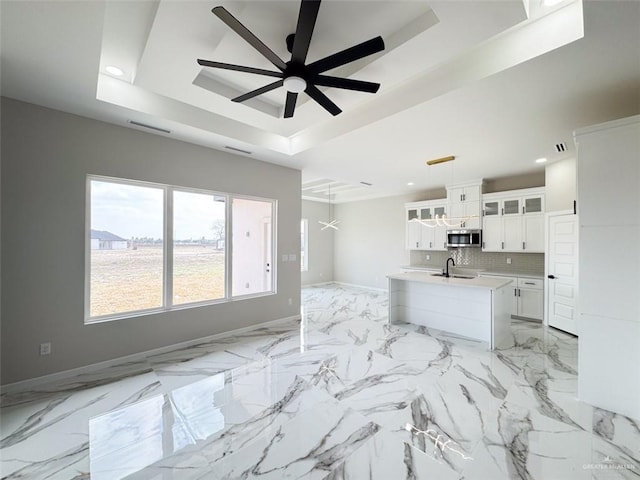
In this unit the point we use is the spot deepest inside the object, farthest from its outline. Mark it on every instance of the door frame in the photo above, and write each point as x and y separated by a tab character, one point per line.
547	237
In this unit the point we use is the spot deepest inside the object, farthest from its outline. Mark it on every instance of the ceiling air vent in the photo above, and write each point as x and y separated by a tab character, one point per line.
151	127
237	150
561	147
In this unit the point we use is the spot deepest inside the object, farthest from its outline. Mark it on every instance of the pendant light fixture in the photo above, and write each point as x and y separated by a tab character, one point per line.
330	223
443	220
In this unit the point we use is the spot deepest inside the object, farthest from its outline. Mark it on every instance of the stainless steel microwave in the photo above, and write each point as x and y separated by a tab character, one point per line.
464	238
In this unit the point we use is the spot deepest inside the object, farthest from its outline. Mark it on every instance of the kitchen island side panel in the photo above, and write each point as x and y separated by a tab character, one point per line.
461	310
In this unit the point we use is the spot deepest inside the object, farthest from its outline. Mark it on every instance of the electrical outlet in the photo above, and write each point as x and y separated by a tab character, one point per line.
45	348
292	257
428	257
508	260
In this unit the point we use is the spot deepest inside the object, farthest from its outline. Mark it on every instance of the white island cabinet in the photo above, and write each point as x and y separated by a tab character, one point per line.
477	308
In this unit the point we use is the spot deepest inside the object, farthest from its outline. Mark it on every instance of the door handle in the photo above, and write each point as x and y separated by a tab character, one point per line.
552	277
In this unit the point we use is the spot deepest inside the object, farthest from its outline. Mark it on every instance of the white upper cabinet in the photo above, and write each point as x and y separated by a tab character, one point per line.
513	221
427	235
464	200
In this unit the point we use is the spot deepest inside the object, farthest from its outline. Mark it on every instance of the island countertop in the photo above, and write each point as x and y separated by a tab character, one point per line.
476	282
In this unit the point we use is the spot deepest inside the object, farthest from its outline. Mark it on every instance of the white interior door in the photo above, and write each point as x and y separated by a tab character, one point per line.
562	273
267	260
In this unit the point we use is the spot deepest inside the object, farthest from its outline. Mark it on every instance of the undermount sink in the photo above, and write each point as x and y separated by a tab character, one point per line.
453	275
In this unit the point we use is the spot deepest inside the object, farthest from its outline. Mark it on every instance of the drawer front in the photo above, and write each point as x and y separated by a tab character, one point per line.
536	283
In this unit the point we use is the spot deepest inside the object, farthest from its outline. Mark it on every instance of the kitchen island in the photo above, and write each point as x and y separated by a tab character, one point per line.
477	308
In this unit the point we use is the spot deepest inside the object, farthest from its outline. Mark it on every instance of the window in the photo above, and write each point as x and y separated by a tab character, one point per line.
198	247
156	247
252	246
126	248
304	245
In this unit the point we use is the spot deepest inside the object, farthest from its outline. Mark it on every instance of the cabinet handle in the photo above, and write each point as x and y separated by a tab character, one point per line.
482	244
529	283
523	246
416	244
515	292
502	213
551	277
429	244
518	292
523	209
502	245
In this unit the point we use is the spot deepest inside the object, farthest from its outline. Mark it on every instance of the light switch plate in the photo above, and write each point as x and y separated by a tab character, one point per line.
292	257
285	258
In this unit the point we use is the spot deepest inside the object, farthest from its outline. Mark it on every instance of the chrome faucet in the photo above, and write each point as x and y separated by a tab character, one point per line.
453	263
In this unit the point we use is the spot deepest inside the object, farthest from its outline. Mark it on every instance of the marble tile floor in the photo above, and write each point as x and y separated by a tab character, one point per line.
339	395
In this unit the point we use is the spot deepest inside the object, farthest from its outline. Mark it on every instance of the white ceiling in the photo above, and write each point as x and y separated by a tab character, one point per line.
495	83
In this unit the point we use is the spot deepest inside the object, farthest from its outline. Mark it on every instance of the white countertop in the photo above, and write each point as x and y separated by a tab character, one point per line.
426	268
477	282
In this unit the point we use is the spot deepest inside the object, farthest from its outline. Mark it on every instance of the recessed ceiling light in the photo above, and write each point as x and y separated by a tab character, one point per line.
541	160
112	70
410	184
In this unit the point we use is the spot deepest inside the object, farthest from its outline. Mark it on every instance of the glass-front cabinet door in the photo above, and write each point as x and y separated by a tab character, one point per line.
491	208
440	231
533	205
511	206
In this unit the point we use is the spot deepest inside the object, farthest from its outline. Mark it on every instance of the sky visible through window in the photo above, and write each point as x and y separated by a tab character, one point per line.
130	211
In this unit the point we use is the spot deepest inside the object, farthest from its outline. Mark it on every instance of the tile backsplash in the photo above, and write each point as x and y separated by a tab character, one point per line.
527	263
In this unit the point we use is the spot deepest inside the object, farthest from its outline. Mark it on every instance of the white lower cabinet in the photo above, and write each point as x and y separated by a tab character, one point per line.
528	296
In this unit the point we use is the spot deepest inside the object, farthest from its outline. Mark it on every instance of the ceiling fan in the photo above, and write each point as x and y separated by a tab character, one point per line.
296	76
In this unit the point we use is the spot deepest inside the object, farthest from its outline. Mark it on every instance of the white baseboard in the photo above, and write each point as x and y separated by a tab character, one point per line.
366	287
63	375
321	284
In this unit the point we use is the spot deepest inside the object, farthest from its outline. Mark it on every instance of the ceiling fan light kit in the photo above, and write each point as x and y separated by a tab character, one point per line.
295	75
295	84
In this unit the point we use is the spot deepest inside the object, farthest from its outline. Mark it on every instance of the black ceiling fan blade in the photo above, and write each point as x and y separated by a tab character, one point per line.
249	37
239	68
323	100
348	55
346	83
290	106
259	91
304	30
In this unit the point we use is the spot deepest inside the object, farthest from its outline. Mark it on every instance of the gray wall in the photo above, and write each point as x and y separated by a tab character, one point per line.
560	191
46	156
320	244
370	242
